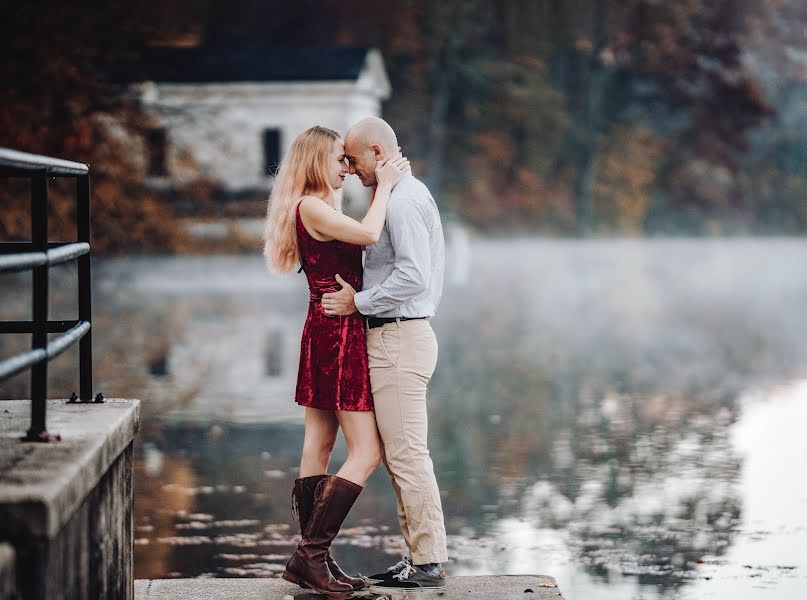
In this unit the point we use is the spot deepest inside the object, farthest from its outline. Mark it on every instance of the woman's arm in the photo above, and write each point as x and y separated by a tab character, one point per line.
331	224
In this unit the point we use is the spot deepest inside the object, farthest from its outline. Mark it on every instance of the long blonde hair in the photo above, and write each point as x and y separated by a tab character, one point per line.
303	171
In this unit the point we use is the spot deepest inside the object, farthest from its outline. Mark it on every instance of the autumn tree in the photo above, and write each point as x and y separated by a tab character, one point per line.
56	87
568	117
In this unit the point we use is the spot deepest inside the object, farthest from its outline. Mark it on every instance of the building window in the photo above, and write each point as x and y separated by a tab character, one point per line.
271	151
156	141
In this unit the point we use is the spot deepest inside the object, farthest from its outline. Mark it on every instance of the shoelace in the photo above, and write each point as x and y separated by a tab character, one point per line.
408	571
400	564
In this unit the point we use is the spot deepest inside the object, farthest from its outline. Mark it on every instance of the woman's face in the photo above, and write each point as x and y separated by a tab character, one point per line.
337	165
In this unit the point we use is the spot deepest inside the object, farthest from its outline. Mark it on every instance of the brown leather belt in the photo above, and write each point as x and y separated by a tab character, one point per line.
381	321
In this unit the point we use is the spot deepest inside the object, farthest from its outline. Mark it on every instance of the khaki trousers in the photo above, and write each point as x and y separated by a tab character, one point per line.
403	355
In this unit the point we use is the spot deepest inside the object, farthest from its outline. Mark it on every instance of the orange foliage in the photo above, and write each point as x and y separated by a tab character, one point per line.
126	217
626	174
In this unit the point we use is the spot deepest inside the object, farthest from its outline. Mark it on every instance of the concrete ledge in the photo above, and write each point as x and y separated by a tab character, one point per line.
41	485
495	587
66	507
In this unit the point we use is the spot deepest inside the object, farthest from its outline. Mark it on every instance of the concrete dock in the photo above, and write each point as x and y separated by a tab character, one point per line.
66	507
498	587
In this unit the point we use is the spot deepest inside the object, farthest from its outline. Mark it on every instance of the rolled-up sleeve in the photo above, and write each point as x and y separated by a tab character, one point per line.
409	236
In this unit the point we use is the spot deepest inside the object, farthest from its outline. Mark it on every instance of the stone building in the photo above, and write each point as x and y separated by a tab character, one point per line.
228	114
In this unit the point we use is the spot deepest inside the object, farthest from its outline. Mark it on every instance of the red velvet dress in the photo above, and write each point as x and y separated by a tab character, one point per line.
334	373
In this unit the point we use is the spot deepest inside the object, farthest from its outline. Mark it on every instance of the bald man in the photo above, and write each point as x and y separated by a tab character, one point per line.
403	283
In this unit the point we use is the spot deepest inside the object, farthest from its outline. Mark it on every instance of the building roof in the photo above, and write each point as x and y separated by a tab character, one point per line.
216	64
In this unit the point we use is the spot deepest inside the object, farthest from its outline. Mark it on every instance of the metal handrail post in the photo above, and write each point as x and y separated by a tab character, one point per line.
84	286
39	337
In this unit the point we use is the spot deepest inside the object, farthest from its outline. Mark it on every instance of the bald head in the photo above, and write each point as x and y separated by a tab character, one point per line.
374	131
368	142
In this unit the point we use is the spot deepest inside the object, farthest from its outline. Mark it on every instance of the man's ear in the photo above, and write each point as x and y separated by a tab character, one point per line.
378	153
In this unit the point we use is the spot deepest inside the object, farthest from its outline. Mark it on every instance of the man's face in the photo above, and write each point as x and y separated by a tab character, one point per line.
362	159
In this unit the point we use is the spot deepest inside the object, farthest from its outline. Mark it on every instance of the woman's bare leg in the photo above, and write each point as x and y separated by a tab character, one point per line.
321	427
363	445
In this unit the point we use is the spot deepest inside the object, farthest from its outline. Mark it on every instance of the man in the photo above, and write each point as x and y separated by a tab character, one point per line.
403	283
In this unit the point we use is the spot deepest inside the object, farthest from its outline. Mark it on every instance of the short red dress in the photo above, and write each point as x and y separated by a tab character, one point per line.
334	373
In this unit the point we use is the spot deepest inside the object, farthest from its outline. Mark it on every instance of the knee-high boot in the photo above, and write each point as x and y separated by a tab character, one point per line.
303	493
333	500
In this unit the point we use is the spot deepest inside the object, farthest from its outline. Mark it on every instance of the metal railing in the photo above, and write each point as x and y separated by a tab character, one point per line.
38	256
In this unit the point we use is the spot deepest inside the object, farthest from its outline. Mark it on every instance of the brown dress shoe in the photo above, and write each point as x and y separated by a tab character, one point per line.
333	500
303	500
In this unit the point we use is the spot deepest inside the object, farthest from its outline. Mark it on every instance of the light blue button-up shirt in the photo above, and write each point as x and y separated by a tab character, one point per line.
403	271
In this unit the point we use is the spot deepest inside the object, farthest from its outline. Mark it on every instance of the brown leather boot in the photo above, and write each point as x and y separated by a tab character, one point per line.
303	495
333	500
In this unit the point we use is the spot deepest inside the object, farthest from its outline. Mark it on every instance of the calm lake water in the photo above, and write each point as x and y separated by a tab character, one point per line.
625	416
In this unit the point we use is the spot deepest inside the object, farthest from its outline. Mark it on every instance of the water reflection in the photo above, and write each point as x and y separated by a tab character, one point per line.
585	414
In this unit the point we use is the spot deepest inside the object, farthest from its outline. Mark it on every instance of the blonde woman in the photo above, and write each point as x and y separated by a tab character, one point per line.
305	226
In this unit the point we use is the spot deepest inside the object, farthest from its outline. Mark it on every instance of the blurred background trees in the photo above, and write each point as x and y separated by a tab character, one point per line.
572	117
55	95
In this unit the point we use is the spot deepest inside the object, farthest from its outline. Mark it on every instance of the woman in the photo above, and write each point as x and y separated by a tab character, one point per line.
306	226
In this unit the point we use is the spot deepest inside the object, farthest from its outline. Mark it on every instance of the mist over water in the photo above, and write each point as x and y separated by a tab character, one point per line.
623	415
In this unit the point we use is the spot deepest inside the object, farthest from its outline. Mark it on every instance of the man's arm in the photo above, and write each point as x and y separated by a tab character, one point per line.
409	235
